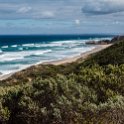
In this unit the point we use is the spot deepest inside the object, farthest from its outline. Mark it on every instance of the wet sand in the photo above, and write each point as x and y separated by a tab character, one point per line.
67	60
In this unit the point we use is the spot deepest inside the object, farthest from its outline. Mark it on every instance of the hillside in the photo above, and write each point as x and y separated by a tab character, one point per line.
113	55
84	92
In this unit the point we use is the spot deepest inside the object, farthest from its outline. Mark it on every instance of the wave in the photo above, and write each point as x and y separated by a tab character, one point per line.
38	53
11	56
14	46
4	47
1	52
28	45
41	45
20	48
12	59
66	43
12	68
54	43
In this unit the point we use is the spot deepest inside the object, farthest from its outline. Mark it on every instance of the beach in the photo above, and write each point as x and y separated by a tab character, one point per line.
81	56
66	60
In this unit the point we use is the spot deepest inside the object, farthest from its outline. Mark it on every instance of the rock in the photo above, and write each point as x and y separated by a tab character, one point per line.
102	42
117	38
105	42
91	42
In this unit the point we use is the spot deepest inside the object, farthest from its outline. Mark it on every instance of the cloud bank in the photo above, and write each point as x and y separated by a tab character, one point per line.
61	16
101	7
27	9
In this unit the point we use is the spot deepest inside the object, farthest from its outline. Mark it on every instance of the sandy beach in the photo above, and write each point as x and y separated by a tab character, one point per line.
67	60
83	55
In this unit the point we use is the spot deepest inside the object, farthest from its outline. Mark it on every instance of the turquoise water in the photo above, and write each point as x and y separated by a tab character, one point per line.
19	52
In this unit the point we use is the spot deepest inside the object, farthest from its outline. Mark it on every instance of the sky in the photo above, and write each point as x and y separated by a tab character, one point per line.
61	16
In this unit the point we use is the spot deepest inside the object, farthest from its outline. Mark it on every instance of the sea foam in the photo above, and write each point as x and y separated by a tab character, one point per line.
18	56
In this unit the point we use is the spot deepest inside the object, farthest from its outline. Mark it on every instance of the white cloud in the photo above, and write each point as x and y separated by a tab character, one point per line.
61	9
24	9
48	14
77	21
44	14
74	12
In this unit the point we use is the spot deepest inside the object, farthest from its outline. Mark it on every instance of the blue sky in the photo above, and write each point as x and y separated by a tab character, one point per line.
61	16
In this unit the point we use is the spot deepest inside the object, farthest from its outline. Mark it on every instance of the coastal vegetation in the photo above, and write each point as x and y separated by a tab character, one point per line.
83	92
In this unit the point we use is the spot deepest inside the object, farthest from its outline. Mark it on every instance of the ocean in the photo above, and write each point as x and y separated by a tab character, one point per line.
20	51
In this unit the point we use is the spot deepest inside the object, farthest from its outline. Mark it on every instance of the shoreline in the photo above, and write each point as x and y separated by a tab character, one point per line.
63	61
81	56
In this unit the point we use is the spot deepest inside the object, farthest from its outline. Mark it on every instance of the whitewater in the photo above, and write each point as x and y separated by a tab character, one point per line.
16	56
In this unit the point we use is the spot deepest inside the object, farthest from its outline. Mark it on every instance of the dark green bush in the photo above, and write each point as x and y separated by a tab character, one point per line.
90	92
